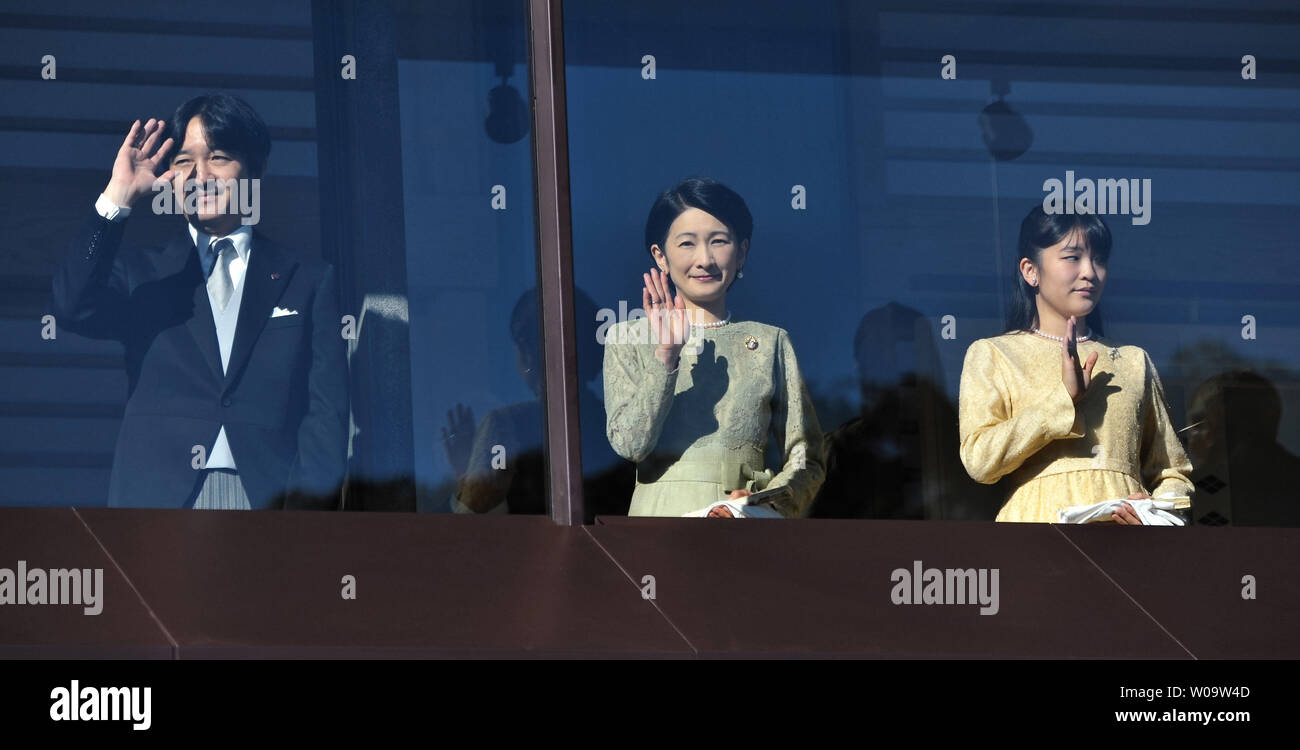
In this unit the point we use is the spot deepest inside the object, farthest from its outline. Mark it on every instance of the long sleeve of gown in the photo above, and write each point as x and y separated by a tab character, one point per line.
794	423
638	391
1000	432
1165	466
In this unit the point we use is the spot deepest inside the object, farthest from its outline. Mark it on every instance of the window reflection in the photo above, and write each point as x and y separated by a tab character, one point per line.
887	198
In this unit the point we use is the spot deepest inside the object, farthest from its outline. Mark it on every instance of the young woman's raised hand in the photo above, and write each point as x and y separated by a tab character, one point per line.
669	326
1076	376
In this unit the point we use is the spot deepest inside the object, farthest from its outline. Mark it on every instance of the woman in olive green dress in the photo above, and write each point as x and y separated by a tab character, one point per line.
692	395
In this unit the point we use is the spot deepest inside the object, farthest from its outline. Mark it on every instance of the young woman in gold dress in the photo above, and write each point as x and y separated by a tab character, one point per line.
1072	417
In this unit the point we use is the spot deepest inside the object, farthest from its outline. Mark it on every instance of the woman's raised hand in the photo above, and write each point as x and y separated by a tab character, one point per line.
1076	376
136	167
458	438
669	326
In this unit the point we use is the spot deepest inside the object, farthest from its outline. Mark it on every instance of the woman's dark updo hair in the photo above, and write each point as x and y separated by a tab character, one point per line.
703	193
1041	230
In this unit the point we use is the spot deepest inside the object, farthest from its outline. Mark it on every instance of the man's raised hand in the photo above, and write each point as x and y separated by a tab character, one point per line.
136	168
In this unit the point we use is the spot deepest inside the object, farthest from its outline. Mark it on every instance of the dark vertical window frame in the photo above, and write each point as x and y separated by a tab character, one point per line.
555	259
363	235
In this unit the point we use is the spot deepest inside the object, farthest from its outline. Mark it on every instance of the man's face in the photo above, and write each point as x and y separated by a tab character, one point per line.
197	167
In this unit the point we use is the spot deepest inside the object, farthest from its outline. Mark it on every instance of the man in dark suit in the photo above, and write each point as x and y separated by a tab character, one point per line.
236	368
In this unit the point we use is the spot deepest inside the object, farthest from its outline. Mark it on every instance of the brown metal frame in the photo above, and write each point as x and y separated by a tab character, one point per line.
555	259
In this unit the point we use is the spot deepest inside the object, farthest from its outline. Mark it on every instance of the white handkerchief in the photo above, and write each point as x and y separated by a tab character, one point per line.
280	312
738	508
1152	512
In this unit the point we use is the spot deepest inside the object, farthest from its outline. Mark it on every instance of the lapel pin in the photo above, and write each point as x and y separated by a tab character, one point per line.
275	276
751	343
1114	354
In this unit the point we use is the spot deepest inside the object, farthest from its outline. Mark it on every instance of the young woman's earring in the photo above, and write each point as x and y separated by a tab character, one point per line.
740	274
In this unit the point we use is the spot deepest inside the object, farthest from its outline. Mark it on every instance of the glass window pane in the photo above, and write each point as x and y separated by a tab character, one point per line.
471	257
888	156
382	320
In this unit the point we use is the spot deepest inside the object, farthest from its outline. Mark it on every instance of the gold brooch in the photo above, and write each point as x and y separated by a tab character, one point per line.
751	343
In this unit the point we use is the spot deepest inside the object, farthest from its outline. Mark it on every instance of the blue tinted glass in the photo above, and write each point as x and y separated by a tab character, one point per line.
888	155
394	337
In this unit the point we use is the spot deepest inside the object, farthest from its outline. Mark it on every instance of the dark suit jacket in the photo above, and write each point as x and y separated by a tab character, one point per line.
283	399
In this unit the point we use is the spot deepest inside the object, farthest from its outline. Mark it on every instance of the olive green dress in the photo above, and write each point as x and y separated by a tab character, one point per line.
700	431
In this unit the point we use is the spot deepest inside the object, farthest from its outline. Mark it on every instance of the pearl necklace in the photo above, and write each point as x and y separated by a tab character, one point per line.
1084	337
715	324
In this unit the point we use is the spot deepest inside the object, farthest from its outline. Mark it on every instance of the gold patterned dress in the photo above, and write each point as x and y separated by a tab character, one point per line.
1017	419
701	430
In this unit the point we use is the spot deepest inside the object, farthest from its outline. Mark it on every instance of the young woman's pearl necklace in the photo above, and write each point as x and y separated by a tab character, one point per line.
715	324
1084	337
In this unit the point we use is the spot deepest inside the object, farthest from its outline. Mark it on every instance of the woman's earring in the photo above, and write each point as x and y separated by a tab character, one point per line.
740	274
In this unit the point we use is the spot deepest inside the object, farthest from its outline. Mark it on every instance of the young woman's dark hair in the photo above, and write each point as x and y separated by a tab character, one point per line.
703	193
1041	230
230	124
